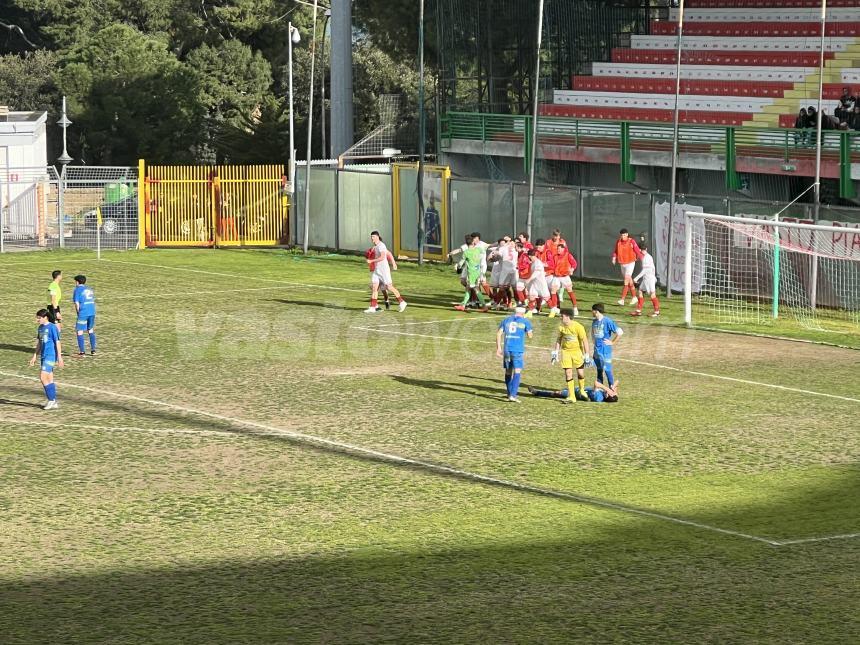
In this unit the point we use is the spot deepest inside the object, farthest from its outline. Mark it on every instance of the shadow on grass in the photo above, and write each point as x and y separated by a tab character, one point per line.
472	390
310	303
628	579
20	404
24	349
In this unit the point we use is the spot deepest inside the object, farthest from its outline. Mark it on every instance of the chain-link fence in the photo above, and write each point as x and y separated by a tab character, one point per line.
81	207
346	205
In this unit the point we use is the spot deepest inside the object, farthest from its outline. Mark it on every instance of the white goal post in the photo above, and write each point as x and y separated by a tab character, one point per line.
746	271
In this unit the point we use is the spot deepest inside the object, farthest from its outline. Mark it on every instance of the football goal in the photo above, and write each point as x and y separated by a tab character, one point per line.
744	271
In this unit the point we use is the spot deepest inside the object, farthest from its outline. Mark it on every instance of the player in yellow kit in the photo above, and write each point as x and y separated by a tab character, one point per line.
571	348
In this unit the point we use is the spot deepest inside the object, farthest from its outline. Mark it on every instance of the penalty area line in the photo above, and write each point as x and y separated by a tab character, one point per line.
339	446
720	377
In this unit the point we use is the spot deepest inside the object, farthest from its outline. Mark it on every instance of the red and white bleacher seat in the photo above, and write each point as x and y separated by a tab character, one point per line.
738	58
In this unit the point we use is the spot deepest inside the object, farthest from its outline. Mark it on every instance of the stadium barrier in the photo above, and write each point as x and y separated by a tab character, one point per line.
347	204
87	207
206	206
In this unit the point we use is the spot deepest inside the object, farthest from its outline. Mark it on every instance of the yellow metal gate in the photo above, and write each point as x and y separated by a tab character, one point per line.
213	206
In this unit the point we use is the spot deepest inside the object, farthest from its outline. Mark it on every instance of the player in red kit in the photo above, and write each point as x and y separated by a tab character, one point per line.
565	265
524	272
369	254
555	241
625	253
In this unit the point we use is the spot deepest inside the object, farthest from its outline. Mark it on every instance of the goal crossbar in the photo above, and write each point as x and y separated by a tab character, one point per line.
837	244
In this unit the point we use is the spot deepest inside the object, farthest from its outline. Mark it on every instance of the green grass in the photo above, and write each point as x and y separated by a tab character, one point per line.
123	521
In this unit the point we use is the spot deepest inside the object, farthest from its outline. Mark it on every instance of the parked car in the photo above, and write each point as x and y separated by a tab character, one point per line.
118	218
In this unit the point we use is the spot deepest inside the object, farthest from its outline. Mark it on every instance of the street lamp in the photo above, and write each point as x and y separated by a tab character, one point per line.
64	160
294	39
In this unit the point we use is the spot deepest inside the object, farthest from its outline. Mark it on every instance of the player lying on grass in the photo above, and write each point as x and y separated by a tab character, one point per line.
647	281
600	393
49	353
511	347
571	349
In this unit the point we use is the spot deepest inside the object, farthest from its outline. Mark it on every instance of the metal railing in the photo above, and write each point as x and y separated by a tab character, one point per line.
729	142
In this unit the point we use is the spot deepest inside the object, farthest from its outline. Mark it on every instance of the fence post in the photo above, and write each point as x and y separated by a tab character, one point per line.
527	144
846	186
337	172
141	204
628	172
2	217
581	247
733	182
581	233
61	207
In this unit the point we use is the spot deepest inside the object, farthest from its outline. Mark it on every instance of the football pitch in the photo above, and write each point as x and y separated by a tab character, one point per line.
252	459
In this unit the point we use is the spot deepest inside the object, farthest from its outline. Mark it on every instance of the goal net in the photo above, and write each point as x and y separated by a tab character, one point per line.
749	272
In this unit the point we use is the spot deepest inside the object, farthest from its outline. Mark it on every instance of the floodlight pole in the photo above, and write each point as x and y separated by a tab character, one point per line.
310	134
323	126
535	102
421	127
813	293
293	37
674	179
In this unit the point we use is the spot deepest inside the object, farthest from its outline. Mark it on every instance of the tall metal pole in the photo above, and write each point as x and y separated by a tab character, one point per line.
535	102
323	126
310	133
292	39
64	160
813	293
674	179
342	128
421	127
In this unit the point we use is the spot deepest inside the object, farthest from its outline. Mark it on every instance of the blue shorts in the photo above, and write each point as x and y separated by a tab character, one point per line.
603	359
513	361
47	366
86	324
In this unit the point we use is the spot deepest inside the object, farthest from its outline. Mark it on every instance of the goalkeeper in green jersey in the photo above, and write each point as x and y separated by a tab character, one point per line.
474	268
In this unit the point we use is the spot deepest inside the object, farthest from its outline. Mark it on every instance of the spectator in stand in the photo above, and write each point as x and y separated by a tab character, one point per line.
846	105
828	122
811	118
854	118
801	123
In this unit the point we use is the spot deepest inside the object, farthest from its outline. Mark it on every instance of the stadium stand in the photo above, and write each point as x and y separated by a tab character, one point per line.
744	63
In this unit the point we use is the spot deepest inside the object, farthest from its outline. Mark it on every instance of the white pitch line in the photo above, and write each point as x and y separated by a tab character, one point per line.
405	461
26	264
165	295
812	540
630	360
169	431
741	380
423	322
242	277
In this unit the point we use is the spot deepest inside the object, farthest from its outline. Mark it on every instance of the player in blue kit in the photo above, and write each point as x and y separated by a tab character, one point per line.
49	352
511	346
597	394
605	334
84	299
